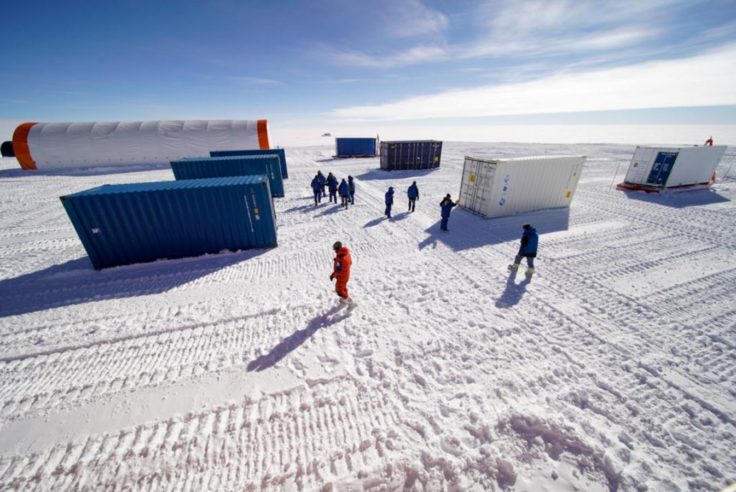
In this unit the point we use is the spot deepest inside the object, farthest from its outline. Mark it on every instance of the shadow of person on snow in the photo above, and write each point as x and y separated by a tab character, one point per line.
375	222
296	339
513	292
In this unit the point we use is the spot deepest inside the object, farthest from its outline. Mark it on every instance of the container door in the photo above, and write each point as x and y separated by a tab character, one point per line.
468	185
662	168
484	188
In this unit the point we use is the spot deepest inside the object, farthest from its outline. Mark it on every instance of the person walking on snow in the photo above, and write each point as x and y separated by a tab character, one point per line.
413	194
317	189
709	142
322	182
332	185
528	250
389	201
341	271
344	191
446	206
351	189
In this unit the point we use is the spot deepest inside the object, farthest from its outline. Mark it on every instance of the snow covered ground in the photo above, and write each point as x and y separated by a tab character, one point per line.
613	369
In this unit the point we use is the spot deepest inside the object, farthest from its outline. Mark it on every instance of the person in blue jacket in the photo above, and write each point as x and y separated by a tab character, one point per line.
322	182
317	189
389	201
446	206
351	189
413	194
344	192
332	185
528	250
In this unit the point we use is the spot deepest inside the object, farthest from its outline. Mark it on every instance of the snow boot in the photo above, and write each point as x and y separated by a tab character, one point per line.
514	267
529	272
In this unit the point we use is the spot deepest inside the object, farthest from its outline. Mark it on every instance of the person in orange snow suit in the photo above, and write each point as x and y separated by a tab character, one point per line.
341	271
709	142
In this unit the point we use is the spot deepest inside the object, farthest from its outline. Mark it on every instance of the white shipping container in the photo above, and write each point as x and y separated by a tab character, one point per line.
500	187
670	167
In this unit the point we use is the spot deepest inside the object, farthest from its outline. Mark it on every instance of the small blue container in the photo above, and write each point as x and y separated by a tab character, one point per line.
279	152
355	147
136	223
220	167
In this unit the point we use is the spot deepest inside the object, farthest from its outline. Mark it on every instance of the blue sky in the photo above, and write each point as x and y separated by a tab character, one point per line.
330	64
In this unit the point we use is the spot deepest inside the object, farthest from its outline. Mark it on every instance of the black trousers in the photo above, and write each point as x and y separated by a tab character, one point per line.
412	204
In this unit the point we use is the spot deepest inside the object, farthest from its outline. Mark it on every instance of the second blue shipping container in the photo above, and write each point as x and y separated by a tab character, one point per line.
355	147
279	152
135	223
220	167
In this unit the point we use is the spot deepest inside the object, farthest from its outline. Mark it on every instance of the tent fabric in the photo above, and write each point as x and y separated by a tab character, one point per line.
118	143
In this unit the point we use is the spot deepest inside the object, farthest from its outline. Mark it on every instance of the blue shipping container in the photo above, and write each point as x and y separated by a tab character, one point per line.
408	155
134	223
279	152
220	167
355	147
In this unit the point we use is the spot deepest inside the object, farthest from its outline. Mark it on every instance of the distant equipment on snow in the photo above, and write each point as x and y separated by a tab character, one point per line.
135	223
410	154
327	134
501	187
280	153
6	149
356	147
239	165
659	168
70	145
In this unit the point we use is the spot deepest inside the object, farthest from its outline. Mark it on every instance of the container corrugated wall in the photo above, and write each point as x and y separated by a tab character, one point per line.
220	167
124	224
670	167
355	147
496	188
281	153
408	155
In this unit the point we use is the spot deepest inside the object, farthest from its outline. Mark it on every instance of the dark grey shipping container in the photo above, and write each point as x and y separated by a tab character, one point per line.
408	155
135	223
220	167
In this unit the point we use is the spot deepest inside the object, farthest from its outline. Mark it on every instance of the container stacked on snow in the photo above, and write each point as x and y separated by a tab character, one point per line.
118	143
280	153
133	223
500	187
220	167
672	167
355	147
408	155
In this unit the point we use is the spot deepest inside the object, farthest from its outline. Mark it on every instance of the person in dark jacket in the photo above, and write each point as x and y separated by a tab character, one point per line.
317	190
446	206
332	186
528	250
389	201
322	182
351	189
413	194
344	192
341	271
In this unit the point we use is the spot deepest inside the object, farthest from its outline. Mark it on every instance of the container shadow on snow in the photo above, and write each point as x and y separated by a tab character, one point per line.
88	171
513	292
296	339
76	282
380	174
679	199
467	230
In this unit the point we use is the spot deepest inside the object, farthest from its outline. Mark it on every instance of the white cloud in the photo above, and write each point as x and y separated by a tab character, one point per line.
704	80
410	18
411	56
257	81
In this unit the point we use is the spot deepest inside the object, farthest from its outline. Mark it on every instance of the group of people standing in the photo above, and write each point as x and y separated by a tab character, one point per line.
346	189
412	193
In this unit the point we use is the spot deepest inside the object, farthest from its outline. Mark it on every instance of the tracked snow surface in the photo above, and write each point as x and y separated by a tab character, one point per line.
614	368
